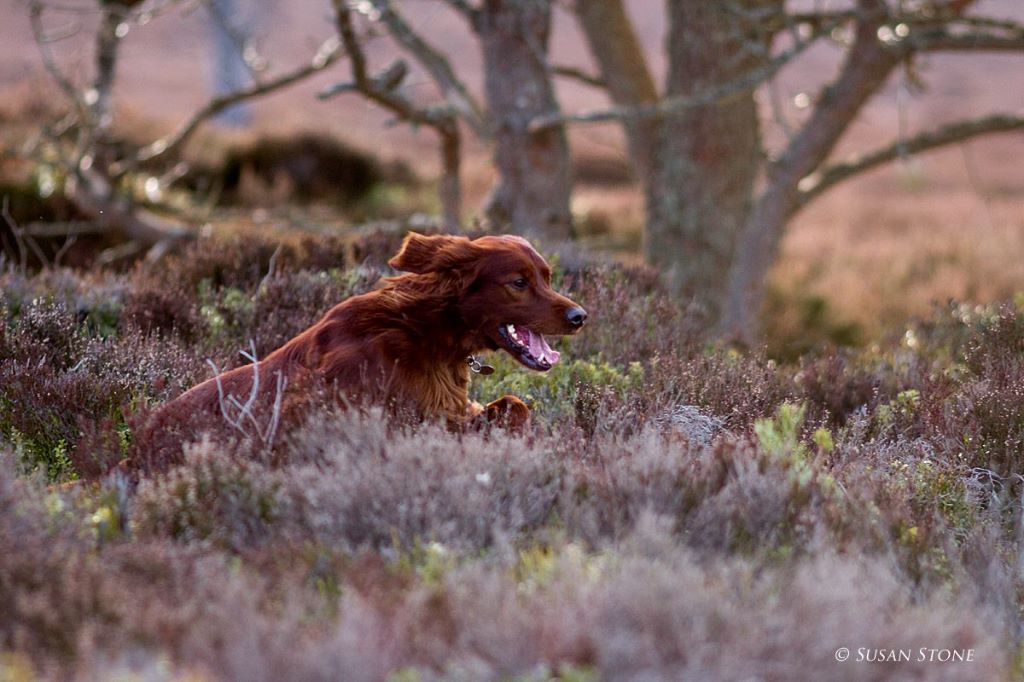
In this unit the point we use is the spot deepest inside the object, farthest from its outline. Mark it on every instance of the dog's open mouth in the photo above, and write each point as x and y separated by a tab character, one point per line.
528	347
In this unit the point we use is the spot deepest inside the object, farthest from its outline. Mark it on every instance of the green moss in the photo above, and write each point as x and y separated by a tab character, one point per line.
39	451
552	394
227	312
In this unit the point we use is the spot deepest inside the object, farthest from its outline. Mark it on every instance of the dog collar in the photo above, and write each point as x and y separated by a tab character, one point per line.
479	367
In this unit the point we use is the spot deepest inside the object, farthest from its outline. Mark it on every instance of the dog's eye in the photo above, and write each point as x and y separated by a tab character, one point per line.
520	283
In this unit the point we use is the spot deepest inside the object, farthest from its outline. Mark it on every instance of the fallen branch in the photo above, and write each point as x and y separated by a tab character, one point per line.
71	229
94	197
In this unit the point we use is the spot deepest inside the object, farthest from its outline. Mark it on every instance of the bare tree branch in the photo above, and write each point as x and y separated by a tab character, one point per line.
71	229
945	40
866	68
328	53
578	75
984	22
670	105
376	87
69	89
464	8
88	184
383	90
960	131
108	39
439	68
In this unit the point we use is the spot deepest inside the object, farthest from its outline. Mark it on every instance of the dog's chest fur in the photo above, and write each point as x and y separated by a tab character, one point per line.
442	389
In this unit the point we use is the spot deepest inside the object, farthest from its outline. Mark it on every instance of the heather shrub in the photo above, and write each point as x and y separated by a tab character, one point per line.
837	386
631	317
364	484
306	166
723	382
649	611
154	309
213	497
677	510
277	310
553	394
58	373
977	412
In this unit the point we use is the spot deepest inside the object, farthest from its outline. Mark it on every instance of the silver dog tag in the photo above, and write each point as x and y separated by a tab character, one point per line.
479	367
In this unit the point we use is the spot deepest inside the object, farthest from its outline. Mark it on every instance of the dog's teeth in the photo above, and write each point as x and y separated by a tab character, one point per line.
511	329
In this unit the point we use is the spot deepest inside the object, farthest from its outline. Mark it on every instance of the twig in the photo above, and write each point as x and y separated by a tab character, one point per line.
119	252
270	270
21	237
578	75
18	242
942	40
65	247
244	412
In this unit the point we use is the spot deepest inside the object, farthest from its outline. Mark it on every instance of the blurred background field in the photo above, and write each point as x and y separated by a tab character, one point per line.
863	258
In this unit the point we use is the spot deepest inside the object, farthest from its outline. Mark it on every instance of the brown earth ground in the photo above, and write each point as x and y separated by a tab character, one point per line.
943	225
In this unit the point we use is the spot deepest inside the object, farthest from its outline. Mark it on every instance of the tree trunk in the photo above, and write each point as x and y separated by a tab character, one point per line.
867	66
702	181
532	195
450	186
756	252
617	50
229	71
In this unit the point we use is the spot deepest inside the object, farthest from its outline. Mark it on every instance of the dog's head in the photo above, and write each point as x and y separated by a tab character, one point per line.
503	292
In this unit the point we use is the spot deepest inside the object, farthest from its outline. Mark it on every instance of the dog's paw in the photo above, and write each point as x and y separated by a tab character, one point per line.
508	412
473	410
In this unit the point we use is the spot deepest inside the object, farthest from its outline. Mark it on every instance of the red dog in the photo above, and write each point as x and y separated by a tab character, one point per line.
411	341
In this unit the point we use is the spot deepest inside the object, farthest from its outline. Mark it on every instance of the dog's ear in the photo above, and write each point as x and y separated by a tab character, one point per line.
421	253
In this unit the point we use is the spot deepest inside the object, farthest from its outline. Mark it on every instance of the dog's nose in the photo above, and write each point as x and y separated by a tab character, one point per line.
576	316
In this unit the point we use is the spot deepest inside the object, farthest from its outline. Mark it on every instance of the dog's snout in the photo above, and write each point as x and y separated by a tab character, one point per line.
576	316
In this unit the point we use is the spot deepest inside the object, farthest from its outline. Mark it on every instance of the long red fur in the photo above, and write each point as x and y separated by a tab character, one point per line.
405	343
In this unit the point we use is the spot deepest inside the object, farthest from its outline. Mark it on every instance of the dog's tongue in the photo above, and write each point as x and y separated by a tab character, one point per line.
538	346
